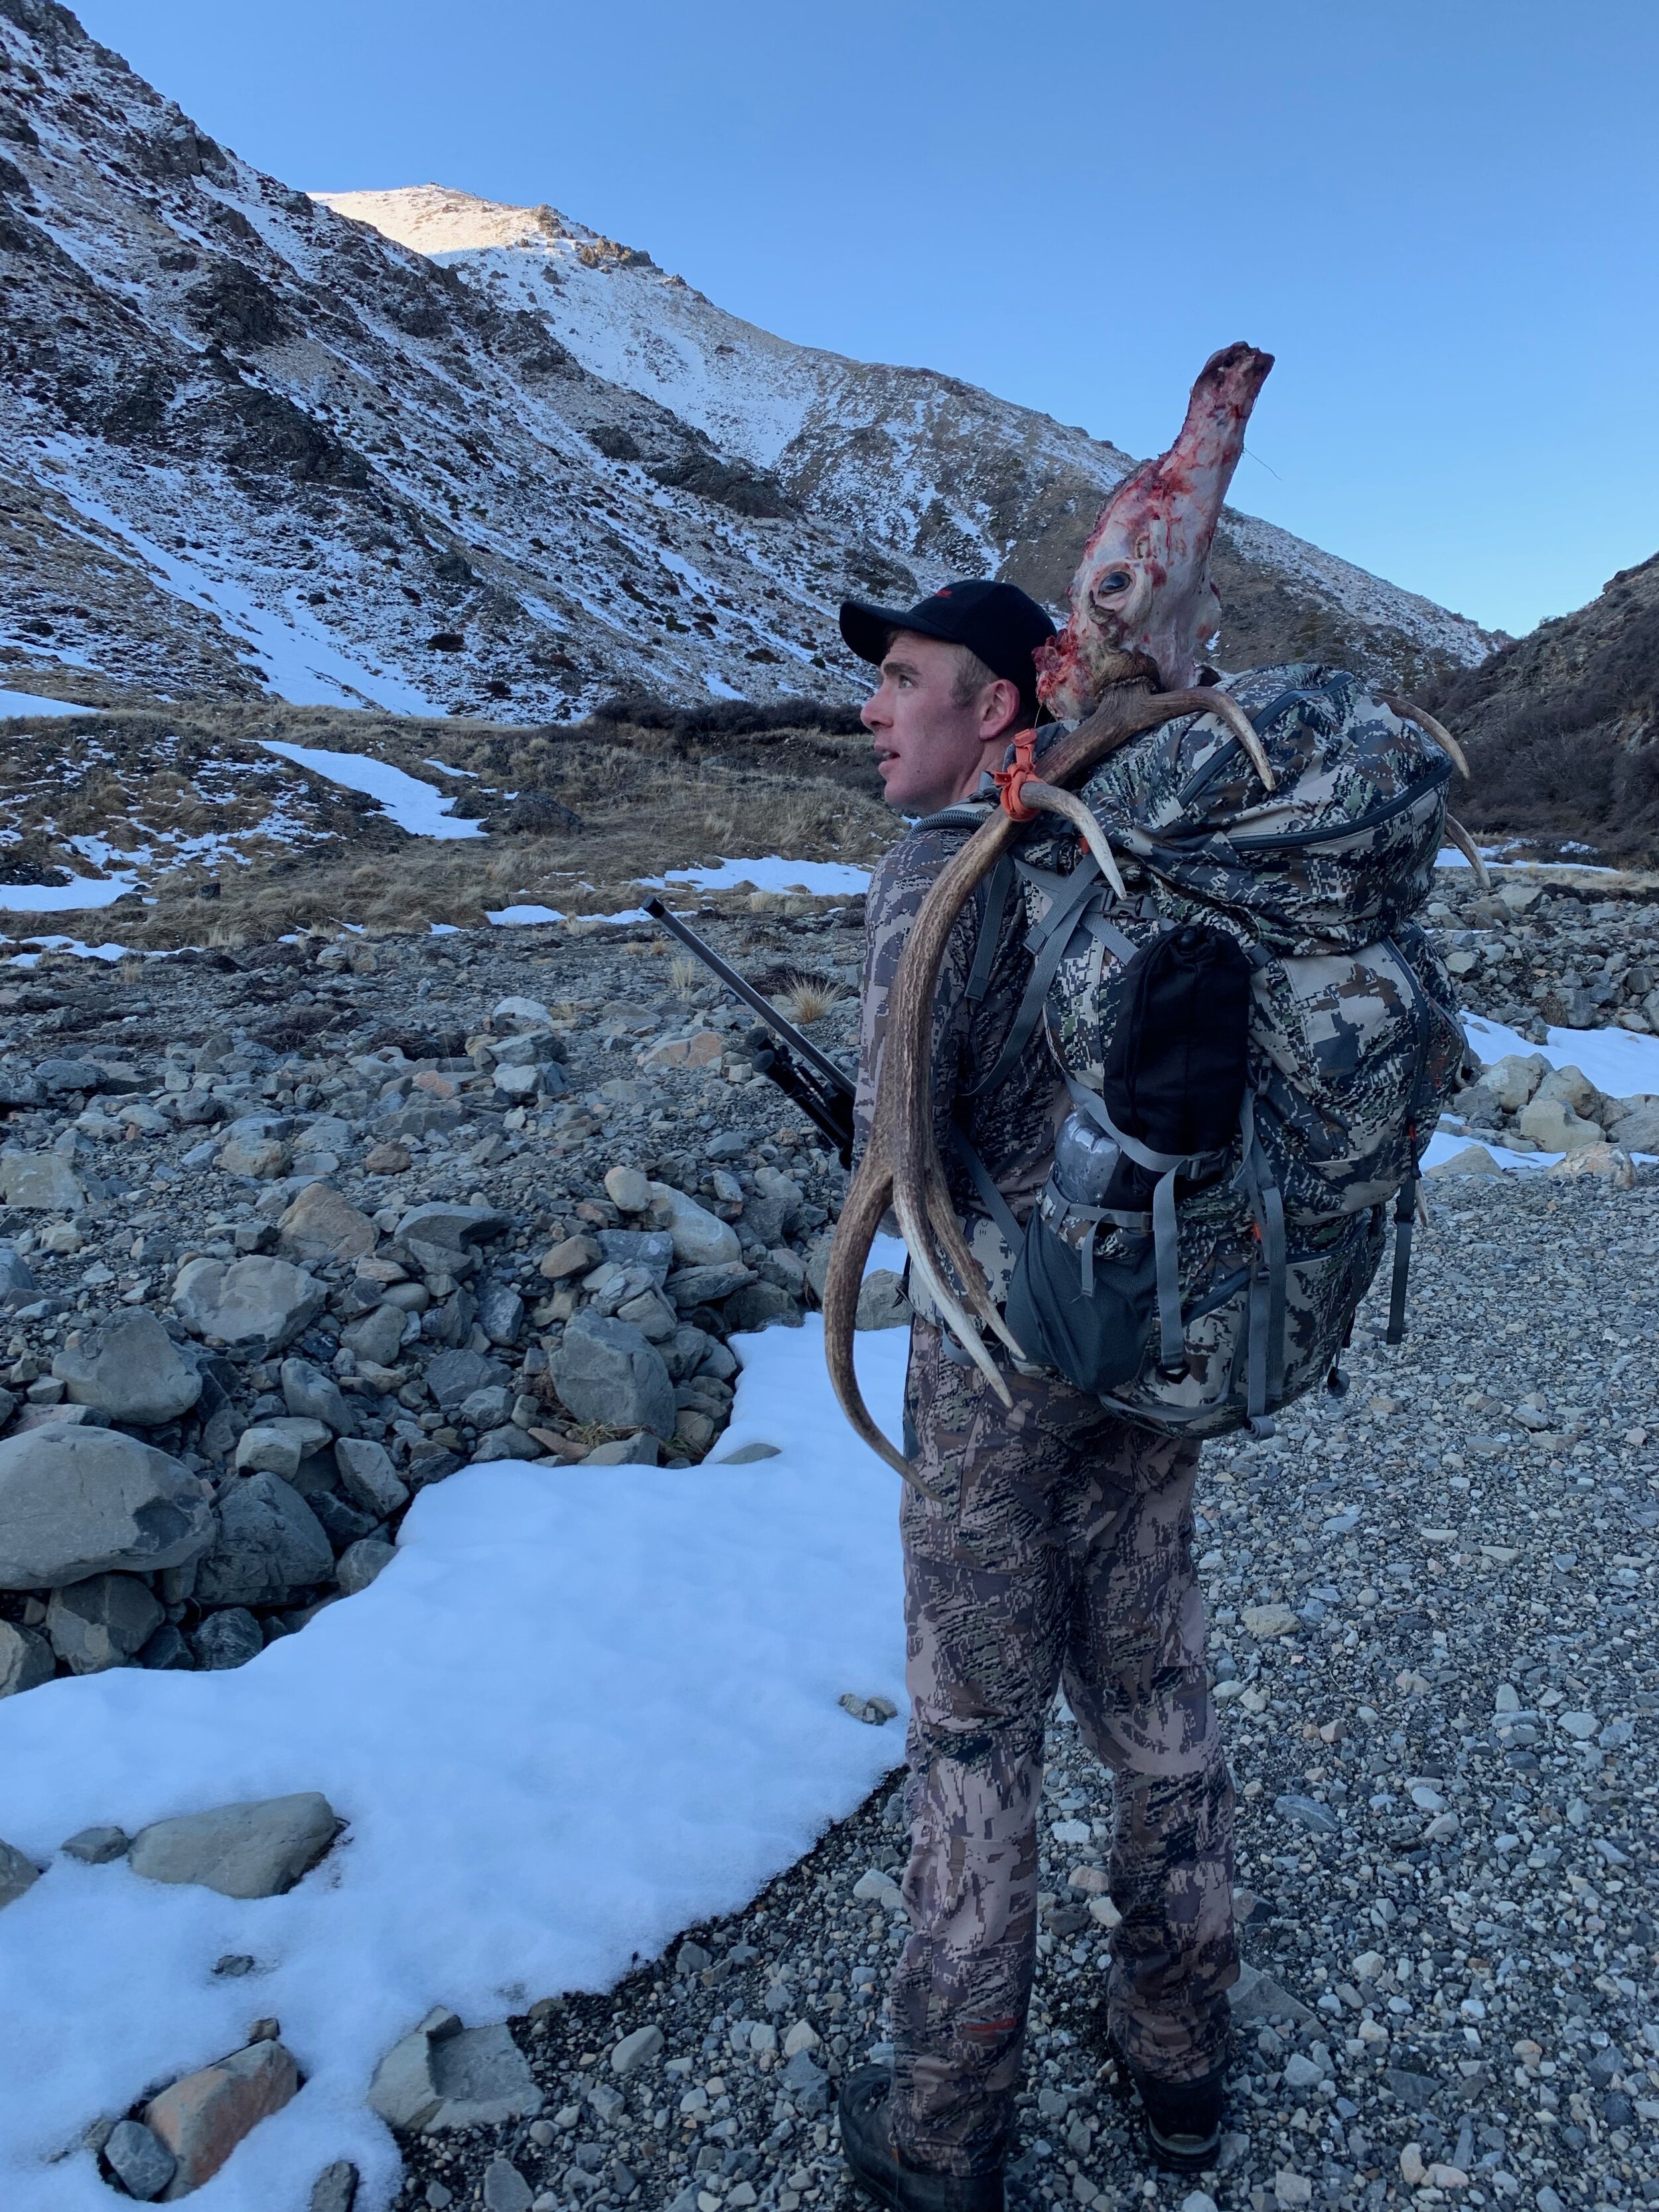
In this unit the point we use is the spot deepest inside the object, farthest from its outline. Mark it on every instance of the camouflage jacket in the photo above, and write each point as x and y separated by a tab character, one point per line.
1011	1128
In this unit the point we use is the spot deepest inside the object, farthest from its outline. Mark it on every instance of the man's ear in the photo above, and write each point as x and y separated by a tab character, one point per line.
1000	713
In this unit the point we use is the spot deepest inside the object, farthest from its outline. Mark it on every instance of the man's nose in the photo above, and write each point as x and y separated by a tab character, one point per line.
870	713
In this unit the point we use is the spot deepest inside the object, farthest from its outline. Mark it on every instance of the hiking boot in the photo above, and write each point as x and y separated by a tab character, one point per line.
866	2112
1183	2118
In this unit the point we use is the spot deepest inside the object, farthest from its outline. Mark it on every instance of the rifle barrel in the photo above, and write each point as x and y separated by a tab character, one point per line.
769	1014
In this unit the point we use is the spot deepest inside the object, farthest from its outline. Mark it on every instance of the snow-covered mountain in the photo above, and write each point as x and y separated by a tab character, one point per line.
418	449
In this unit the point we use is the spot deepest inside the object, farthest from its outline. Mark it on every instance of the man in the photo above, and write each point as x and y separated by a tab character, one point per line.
1061	1554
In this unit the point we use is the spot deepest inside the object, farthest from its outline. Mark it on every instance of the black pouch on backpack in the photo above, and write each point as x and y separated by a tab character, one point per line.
1174	1081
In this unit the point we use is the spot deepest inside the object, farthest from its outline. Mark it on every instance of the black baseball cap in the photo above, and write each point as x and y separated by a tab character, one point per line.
997	622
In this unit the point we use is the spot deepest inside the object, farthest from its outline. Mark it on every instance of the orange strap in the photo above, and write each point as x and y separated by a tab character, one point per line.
1010	781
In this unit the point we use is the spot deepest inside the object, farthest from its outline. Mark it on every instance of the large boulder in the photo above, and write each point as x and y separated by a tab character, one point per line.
77	1501
1637	1129
201	2119
608	1371
320	1224
101	1622
253	1303
445	2076
131	1371
702	1239
43	1182
270	1543
455	1226
26	1659
257	1849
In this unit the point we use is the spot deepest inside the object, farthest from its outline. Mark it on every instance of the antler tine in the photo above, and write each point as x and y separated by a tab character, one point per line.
1466	845
947	1231
1443	737
1226	709
1048	800
914	1226
860	1218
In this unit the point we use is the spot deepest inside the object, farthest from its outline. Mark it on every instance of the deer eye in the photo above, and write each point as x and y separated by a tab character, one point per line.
1114	580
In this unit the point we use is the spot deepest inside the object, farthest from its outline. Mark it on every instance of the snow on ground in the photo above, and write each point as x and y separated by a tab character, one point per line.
823	878
1443	1145
15	703
1618	1061
61	898
420	808
581	1708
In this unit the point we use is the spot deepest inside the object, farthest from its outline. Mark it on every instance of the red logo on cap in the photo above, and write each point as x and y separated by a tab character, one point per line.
943	592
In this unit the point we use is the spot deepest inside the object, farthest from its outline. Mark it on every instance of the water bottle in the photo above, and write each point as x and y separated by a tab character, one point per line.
1085	1158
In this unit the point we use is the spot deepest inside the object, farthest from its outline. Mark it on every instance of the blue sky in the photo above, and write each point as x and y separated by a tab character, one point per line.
1441	217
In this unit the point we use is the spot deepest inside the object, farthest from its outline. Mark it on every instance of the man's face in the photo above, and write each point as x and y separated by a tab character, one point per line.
930	748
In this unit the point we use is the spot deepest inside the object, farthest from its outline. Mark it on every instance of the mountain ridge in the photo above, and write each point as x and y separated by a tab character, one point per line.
253	447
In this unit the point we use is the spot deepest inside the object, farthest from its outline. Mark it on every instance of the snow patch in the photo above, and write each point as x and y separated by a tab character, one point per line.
15	704
1616	1061
581	1709
822	879
420	808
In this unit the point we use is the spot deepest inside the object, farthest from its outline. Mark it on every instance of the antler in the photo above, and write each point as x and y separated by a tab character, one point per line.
1443	737
901	1165
1466	845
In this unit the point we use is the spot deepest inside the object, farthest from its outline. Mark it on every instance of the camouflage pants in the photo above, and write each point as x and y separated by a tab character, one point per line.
1062	1555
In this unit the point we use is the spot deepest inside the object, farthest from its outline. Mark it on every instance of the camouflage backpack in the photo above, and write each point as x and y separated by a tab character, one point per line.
1200	1283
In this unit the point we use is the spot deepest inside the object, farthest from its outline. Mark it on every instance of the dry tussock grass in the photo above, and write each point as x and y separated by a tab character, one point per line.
647	801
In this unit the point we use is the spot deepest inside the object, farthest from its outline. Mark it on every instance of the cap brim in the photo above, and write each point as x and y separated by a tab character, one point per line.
867	629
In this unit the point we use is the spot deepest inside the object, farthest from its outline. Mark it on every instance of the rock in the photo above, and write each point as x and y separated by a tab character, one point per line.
1637	1130
487	1408
637	2050
1301	2072
1610	1161
386	1159
640	1450
278	1446
335	2189
131	1371
573	1256
258	1849
1291	2191
41	1182
17	1874
451	1226
1467	1160
652	1249
759	1305
311	1396
1256	1996
203	2117
746	1455
501	1313
881	1302
444	2076
628	1191
139	2159
15	1273
453	1376
168	1652
360	1563
700	1239
100	1622
1554	1127
505	2189
256	1303
26	1659
807	2084
605	1370
268	1545
77	1501
1307	1813
262	1158
519	1014
378	1336
1270	1619
97	1846
320	1224
698	1286
229	1639
368	1476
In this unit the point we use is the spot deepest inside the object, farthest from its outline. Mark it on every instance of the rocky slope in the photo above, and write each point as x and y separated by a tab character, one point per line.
252	445
1562	727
